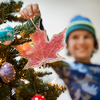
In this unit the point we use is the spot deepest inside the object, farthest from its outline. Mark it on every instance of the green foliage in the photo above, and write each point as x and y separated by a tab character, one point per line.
9	53
4	92
25	29
8	9
37	86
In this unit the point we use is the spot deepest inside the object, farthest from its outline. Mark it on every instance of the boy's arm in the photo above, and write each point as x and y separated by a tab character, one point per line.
60	68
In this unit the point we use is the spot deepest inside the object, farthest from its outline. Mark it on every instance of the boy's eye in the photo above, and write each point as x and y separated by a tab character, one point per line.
75	37
86	37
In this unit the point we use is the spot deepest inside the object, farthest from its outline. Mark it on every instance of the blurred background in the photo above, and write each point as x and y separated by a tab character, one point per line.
56	15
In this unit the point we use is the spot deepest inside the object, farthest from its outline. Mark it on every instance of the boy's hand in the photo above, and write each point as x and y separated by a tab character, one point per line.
30	11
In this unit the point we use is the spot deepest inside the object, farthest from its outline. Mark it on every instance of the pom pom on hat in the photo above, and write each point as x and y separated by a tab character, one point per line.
80	22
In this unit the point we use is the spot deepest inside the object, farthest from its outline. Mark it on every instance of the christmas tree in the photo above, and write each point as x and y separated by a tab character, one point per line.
18	78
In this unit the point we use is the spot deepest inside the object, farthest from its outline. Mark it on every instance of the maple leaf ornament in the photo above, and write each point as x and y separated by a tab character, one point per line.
42	51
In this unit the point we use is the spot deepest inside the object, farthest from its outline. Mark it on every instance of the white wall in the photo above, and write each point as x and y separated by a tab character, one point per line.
56	15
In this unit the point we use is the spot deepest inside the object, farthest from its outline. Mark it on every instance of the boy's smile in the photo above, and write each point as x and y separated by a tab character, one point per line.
81	45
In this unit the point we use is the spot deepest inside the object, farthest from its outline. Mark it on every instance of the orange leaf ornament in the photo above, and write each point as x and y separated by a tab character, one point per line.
42	51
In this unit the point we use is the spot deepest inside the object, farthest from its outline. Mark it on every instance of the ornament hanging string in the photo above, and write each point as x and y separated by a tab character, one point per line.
34	24
44	64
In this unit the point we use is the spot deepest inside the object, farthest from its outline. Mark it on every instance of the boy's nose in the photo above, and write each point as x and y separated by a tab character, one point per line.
81	41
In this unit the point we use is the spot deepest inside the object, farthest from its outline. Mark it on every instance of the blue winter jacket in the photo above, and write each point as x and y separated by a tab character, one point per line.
82	80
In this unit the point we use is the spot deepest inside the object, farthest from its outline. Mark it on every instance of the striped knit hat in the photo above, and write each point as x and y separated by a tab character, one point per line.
80	22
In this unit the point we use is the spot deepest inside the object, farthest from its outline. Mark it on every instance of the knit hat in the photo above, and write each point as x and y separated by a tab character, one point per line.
80	22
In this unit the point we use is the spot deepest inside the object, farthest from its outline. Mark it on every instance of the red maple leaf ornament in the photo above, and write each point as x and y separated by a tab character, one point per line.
42	51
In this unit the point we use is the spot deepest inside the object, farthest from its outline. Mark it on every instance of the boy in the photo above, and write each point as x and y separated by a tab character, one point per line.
81	77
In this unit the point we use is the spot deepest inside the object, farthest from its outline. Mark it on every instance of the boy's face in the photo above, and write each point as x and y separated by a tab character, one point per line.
81	44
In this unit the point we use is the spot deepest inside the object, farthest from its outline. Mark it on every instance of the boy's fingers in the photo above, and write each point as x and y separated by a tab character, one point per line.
23	13
30	12
36	9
